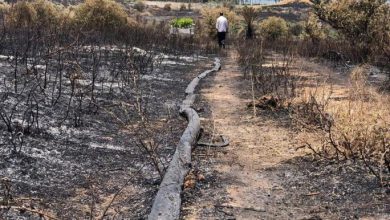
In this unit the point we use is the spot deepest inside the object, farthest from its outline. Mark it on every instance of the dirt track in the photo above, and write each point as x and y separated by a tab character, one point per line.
252	149
261	175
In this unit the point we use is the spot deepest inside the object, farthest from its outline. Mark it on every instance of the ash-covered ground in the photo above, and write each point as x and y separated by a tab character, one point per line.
71	154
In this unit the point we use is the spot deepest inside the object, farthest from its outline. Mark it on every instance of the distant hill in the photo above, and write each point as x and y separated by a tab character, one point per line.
64	2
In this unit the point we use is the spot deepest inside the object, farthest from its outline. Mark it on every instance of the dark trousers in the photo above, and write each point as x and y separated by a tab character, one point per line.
221	39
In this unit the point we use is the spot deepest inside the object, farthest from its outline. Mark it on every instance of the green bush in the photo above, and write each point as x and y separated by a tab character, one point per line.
39	13
363	22
296	29
380	31
139	6
22	15
313	29
182	22
47	13
104	16
274	28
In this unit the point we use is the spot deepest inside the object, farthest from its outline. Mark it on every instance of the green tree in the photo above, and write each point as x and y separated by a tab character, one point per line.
250	14
313	29
380	30
355	19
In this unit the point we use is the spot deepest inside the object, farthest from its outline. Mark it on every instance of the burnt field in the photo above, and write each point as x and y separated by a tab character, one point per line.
89	116
291	122
90	135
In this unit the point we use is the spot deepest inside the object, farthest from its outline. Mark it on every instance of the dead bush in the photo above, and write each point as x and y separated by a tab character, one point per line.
250	53
150	150
355	128
272	83
266	102
276	79
4	7
229	4
359	86
309	113
183	7
167	7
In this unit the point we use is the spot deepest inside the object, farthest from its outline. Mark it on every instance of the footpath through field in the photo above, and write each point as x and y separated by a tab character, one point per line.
246	189
261	174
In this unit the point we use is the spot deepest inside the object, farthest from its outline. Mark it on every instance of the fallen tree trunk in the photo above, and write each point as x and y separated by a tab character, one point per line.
167	203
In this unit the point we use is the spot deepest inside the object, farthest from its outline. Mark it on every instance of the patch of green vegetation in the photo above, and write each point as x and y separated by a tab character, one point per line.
274	28
182	22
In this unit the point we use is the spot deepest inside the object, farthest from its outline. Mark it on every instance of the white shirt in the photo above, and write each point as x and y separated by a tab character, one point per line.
222	24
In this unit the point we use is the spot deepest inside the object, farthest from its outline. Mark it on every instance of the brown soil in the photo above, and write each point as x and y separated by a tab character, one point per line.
261	175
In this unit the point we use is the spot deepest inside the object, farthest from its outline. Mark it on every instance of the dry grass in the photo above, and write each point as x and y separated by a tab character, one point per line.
352	122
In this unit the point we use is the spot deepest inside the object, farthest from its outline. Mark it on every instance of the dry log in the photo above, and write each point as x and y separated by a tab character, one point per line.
187	103
167	203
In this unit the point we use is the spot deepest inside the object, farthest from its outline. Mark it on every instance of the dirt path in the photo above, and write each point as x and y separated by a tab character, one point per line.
256	144
261	175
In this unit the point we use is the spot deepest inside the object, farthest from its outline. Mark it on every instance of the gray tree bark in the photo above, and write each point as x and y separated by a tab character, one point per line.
167	203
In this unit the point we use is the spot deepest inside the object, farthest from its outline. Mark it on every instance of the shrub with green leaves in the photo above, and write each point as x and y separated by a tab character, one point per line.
313	29
274	28
139	6
47	13
364	23
182	22
296	29
104	16
22	15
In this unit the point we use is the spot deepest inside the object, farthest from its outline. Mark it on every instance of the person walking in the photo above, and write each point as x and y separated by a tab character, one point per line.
222	28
